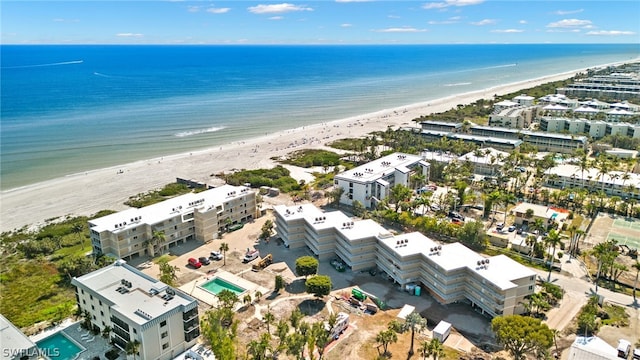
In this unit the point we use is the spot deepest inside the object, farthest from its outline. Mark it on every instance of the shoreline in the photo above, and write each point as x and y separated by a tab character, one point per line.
86	193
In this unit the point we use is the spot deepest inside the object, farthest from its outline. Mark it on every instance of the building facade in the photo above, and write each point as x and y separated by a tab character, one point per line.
372	182
497	285
613	183
137	307
195	216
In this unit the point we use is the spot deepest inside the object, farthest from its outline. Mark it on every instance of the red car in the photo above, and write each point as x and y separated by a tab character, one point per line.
195	263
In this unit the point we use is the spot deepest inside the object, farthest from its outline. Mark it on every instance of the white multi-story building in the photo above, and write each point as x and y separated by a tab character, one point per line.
194	216
452	272
613	183
524	100
137	307
515	118
372	182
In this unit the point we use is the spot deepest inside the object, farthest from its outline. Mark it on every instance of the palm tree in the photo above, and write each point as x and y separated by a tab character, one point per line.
224	247
436	349
132	348
159	238
78	229
414	321
247	299
269	318
554	240
507	199
603	165
385	337
106	331
635	283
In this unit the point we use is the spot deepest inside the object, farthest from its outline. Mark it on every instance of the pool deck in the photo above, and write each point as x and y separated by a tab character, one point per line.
91	345
193	287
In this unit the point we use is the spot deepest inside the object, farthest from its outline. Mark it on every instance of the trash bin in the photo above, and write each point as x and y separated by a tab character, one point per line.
418	290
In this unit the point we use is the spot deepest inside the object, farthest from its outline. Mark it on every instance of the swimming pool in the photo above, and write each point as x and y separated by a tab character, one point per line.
59	347
216	285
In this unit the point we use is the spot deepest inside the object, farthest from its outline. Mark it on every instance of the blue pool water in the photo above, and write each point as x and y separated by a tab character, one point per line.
58	347
216	285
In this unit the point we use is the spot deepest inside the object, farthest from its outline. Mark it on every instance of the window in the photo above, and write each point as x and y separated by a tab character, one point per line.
134	331
164	335
101	313
164	323
91	297
530	287
165	346
100	302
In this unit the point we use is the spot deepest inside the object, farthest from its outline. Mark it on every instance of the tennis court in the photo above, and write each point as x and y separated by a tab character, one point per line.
630	241
627	224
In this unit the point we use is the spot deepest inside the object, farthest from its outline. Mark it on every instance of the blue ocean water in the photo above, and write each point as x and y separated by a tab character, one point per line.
67	109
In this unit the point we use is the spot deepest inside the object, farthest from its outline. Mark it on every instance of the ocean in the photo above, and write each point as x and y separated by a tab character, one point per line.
72	108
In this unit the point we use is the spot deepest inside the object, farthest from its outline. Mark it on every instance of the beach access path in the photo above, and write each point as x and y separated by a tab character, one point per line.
107	189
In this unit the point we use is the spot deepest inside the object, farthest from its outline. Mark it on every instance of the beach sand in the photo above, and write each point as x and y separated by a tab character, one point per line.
90	192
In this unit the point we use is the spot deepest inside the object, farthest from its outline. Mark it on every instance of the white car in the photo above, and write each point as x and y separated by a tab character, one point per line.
216	255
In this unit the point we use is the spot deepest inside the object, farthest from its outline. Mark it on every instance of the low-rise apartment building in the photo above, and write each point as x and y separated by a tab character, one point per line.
614	86
441	126
514	118
549	215
613	183
195	216
137	307
372	182
451	272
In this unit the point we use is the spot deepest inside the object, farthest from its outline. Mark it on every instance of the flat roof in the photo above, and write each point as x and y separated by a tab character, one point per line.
612	177
143	299
12	338
555	136
495	140
178	206
489	154
494	129
499	270
442	123
381	167
542	211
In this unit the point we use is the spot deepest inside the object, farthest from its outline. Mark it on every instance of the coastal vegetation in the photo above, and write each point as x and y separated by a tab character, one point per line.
156	196
38	267
311	157
277	176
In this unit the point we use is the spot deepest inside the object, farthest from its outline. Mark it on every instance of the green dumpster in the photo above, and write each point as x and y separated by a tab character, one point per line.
358	294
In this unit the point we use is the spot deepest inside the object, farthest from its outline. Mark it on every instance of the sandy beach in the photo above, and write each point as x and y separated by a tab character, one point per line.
89	192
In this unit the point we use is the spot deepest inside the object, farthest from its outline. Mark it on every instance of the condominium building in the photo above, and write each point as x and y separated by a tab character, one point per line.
372	182
615	86
16	345
137	307
515	118
613	183
554	142
497	285
194	216
595	129
524	100
441	126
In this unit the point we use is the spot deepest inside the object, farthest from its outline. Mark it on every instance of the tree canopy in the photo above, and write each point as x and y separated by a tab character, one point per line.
306	265
319	285
522	334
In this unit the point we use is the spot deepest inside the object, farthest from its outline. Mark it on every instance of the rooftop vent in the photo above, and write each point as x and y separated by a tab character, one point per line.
143	314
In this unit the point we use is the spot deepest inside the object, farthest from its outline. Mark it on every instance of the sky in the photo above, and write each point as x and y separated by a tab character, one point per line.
319	22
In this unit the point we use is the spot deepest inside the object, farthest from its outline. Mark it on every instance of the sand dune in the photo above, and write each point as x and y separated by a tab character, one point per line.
90	192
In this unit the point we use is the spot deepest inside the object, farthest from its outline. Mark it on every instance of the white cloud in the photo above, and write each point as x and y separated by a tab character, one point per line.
448	3
393	16
507	31
610	33
570	23
218	10
129	35
451	20
563	30
401	30
348	1
193	8
277	8
522	22
568	12
484	22
276	18
66	20
346	25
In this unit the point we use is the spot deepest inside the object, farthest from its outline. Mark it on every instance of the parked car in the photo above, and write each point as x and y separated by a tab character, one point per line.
624	347
636	354
519	231
250	255
216	255
195	263
512	228
435	207
500	226
204	260
455	215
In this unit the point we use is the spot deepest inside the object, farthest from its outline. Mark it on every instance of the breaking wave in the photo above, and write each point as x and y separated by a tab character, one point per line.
197	132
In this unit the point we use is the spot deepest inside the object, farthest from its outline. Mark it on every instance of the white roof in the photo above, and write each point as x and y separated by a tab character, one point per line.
555	107
591	348
143	299
542	211
506	103
616	111
406	311
381	167
586	109
12	338
499	270
442	327
178	206
612	177
488	154
523	97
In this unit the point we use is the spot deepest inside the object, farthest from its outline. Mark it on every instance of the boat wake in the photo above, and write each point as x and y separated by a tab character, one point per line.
74	62
458	84
197	132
